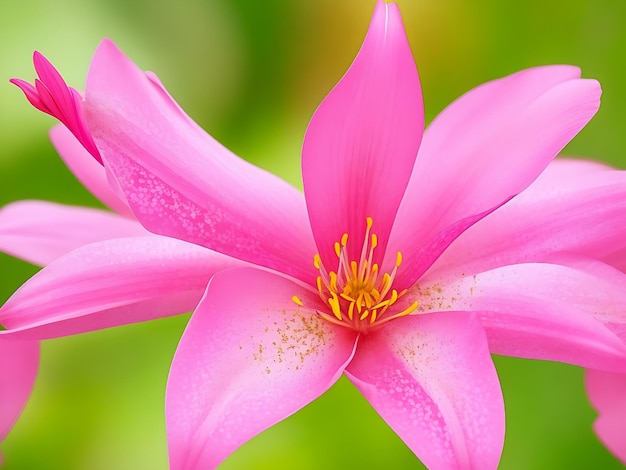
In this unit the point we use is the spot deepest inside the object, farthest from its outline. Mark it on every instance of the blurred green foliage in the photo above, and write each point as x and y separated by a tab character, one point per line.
251	73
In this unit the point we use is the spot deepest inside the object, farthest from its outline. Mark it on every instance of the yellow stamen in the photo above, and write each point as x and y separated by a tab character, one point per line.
333	281
351	311
334	305
373	317
317	261
356	295
344	240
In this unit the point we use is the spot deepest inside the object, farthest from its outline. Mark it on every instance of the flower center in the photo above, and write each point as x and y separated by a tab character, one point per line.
358	296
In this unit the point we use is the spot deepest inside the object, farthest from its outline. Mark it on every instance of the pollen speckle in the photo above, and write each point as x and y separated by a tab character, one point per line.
459	294
292	341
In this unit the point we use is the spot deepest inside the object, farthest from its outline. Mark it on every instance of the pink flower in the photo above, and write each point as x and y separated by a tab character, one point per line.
403	265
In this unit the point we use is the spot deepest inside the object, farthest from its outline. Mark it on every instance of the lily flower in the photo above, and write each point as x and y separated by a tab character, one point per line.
410	257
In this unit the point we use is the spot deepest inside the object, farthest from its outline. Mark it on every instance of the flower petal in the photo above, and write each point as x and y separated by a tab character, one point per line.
40	231
361	143
423	259
607	393
574	206
432	379
87	170
19	361
540	311
485	148
112	283
248	358
51	95
182	183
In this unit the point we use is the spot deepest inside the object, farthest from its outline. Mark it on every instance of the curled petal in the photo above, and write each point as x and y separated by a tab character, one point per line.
51	95
540	311
485	148
432	379
361	143
111	283
39	231
249	358
88	171
182	183
573	207
19	361
607	393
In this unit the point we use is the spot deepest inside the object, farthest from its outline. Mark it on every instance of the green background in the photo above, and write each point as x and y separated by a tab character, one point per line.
251	73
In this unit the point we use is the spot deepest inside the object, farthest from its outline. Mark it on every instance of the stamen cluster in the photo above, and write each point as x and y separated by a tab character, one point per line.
357	295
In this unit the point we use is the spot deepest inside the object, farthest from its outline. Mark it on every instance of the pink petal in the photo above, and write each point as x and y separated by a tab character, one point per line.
111	283
610	276
423	259
180	182
574	206
617	258
88	171
248	359
432	379
19	361
31	93
39	231
167	98
52	96
539	311
607	393
361	143
486	147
